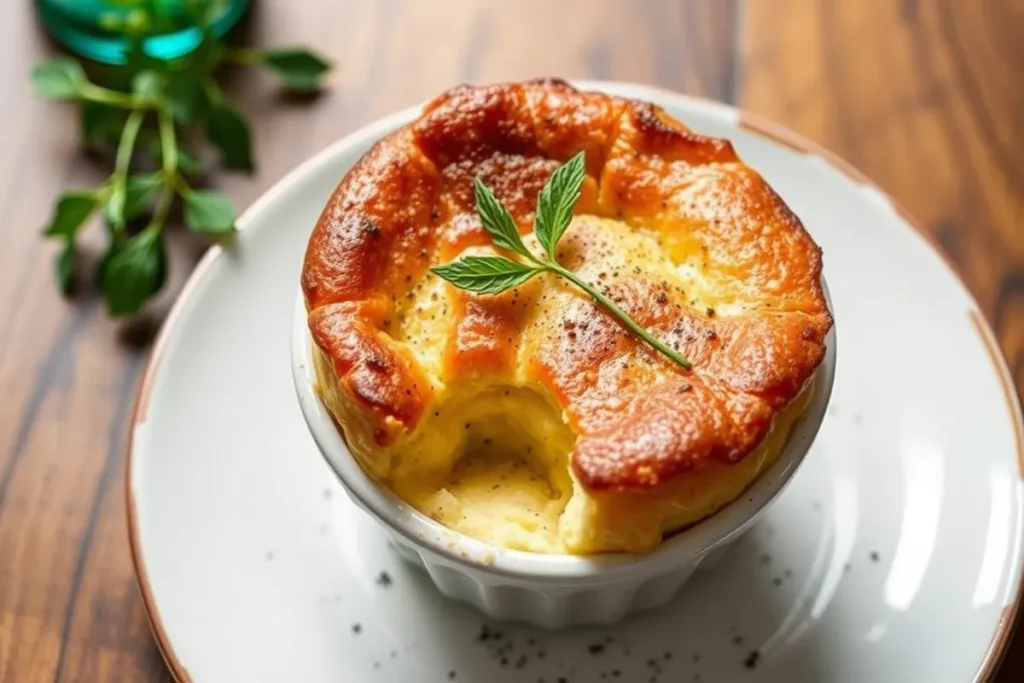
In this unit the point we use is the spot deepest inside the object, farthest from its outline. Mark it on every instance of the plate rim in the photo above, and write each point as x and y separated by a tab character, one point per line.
761	126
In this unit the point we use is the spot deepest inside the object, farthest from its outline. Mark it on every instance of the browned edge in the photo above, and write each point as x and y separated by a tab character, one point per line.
139	414
754	123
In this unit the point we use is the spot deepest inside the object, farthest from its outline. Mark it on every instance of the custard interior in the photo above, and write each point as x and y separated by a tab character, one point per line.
490	460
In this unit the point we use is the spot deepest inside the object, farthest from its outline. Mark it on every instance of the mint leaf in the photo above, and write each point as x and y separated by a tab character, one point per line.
64	267
489	275
114	208
59	79
228	130
184	97
104	262
71	211
497	220
556	201
100	122
149	86
299	69
485	274
188	163
132	273
139	193
209	212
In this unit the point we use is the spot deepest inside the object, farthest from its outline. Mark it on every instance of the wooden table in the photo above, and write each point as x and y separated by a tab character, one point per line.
923	95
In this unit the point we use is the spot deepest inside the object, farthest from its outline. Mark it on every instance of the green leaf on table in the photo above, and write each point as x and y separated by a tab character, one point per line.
139	193
149	85
70	213
556	200
228	130
184	96
132	198
485	274
59	79
300	69
188	163
132	273
101	265
64	267
209	212
100	123
113	210
497	220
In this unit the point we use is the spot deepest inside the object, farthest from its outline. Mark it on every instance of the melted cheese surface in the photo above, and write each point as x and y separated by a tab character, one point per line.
491	461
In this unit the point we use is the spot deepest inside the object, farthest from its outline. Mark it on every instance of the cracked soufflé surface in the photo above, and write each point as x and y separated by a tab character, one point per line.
671	225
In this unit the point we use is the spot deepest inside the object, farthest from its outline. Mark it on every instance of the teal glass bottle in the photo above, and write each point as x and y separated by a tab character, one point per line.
93	28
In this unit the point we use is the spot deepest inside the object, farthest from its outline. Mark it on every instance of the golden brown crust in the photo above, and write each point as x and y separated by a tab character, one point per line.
640	421
378	374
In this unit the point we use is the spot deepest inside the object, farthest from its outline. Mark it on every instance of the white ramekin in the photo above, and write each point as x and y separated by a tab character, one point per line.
552	591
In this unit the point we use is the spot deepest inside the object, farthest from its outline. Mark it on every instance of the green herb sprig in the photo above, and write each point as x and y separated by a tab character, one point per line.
496	274
145	115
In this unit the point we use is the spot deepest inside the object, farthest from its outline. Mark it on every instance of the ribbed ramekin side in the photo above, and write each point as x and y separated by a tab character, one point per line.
538	603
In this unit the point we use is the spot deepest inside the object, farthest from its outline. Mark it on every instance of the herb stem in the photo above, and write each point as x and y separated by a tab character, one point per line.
620	314
127	144
168	147
112	98
169	166
212	90
163	208
243	56
122	164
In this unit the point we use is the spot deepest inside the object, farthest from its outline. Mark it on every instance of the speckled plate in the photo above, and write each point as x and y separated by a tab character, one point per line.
895	554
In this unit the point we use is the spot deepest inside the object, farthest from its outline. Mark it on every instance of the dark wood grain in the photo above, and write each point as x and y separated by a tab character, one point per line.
922	95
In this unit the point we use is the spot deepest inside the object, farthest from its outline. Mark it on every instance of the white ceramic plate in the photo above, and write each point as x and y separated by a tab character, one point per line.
895	554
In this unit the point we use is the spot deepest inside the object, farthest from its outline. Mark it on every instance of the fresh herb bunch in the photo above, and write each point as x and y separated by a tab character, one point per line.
143	116
496	274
